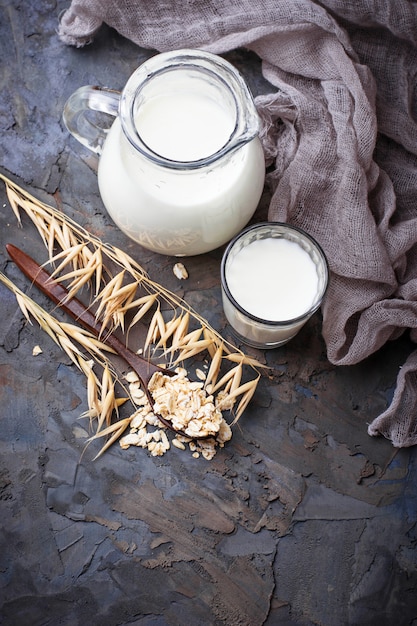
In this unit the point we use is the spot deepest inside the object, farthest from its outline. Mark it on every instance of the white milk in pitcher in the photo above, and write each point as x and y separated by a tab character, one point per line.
185	126
181	211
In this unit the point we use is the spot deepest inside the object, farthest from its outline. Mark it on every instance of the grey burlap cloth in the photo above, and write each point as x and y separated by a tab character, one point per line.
340	131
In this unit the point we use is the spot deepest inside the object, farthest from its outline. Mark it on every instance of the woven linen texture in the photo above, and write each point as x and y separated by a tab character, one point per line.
339	129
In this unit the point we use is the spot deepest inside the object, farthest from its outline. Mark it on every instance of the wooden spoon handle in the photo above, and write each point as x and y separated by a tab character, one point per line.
60	295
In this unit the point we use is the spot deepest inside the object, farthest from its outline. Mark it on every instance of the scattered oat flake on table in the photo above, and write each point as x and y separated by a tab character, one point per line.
180	271
36	350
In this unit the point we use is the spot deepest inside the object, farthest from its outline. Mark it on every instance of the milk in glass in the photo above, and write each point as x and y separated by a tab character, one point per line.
274	277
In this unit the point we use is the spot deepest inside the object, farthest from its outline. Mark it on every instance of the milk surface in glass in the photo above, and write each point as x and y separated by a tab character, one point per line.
273	279
181	211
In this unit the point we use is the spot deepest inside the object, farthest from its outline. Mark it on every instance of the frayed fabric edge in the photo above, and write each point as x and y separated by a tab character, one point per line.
402	433
378	428
75	30
77	42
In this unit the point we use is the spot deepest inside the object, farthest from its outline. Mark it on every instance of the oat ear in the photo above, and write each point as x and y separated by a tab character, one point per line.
178	335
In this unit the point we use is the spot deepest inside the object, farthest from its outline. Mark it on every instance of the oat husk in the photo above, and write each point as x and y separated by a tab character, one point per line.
122	295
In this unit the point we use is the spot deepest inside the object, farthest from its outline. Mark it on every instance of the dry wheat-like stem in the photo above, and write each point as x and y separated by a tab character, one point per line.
176	333
101	398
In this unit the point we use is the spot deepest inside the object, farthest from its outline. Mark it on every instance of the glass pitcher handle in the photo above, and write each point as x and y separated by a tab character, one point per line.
84	125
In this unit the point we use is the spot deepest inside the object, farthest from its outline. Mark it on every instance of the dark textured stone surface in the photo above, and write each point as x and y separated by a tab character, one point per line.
303	519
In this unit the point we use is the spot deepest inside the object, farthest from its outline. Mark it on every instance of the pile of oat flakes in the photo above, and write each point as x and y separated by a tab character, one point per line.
187	405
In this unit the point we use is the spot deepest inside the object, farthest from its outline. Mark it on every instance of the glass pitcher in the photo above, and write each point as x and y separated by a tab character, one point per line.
181	170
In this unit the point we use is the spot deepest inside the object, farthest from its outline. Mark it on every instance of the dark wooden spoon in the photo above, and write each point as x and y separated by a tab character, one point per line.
144	368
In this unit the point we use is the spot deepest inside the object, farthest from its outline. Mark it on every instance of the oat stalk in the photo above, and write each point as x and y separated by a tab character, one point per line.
122	297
